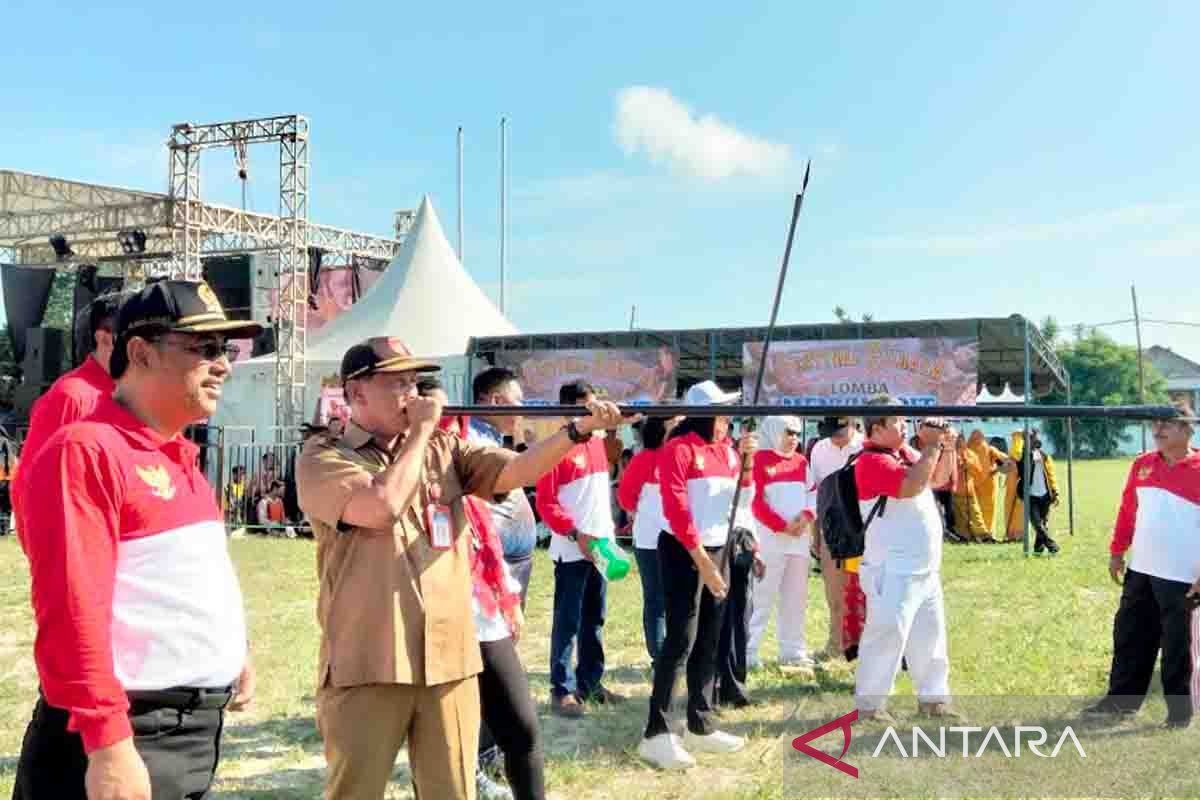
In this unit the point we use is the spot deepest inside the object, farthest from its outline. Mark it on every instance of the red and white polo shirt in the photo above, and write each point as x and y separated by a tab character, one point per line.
781	493
697	480
906	537
576	494
1160	517
638	492
133	587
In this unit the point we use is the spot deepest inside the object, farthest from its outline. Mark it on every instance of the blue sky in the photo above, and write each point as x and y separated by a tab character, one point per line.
968	159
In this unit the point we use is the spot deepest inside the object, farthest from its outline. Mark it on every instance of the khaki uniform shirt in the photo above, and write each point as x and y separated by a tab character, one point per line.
392	608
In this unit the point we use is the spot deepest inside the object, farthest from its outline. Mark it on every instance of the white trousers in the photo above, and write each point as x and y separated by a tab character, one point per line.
906	618
1196	660
785	583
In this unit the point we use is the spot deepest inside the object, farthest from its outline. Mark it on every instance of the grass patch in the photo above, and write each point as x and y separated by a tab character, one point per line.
1018	626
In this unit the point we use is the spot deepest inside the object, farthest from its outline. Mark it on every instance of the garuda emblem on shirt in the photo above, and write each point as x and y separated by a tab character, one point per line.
158	480
699	462
1145	472
580	460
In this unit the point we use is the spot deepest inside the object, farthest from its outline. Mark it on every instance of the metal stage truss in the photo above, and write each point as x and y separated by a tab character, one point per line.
180	229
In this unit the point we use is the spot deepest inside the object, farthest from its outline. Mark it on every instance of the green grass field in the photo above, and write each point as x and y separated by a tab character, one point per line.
1017	626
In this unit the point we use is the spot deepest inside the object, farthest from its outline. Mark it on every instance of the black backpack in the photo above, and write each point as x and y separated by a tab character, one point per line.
839	514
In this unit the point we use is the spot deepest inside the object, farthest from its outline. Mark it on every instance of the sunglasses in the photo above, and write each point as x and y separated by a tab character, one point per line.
211	351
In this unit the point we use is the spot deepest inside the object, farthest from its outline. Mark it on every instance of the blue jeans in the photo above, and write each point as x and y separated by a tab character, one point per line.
579	606
654	616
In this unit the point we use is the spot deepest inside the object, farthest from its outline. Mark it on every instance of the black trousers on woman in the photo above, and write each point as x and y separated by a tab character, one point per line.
730	686
511	718
694	619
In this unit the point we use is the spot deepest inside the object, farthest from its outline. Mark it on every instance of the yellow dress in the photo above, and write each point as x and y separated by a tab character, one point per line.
968	520
986	485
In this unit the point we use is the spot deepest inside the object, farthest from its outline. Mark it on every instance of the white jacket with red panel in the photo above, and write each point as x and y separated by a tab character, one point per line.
1160	517
781	493
697	481
576	494
639	494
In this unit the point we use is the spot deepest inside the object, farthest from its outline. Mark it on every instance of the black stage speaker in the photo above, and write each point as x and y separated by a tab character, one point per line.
44	350
229	277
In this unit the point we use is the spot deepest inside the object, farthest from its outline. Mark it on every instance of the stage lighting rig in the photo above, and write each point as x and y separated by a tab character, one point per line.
133	242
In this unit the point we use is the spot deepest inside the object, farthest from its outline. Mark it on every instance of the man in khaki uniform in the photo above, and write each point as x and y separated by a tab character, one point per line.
398	655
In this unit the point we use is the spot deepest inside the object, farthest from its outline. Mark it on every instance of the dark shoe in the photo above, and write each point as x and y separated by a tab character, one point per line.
1052	546
566	705
603	697
1107	707
735	701
1177	724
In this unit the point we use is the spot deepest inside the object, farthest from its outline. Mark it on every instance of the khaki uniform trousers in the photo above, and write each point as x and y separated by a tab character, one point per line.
364	728
835	587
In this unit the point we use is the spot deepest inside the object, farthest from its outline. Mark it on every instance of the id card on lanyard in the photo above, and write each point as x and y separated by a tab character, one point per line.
440	524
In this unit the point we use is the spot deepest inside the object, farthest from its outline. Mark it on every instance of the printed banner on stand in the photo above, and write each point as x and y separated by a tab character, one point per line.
916	371
635	376
332	403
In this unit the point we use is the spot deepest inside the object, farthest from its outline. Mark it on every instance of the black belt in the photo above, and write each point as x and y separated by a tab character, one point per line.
183	698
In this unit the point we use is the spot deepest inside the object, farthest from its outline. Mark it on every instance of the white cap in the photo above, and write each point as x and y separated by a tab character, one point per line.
707	393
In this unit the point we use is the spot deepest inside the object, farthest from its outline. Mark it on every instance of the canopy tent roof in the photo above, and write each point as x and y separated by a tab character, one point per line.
717	352
425	297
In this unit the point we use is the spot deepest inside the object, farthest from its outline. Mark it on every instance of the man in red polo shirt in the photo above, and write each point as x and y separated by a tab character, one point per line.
1157	524
141	636
74	395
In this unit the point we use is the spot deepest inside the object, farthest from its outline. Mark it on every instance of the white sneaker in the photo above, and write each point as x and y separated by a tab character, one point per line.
715	742
665	752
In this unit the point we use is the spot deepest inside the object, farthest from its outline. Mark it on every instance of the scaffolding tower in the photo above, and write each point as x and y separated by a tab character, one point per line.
289	280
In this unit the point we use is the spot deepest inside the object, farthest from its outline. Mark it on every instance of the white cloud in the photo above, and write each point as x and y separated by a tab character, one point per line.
996	237
655	122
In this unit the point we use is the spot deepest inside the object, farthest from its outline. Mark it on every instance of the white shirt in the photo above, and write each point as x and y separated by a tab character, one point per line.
1038	487
827	458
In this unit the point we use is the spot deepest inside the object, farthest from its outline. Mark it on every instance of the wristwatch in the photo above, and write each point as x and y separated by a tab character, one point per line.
574	434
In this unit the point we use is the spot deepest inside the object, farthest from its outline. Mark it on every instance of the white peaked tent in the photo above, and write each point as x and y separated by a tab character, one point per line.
1007	396
424	297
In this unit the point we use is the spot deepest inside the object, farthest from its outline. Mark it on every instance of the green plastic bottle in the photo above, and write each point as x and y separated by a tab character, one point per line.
610	559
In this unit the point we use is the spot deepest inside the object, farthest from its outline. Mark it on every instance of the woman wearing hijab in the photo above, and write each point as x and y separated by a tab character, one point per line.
698	472
991	460
968	520
784	508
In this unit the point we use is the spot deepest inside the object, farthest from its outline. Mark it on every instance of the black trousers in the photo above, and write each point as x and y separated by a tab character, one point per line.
694	619
180	748
522	570
730	688
1039	517
510	719
945	504
1152	616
